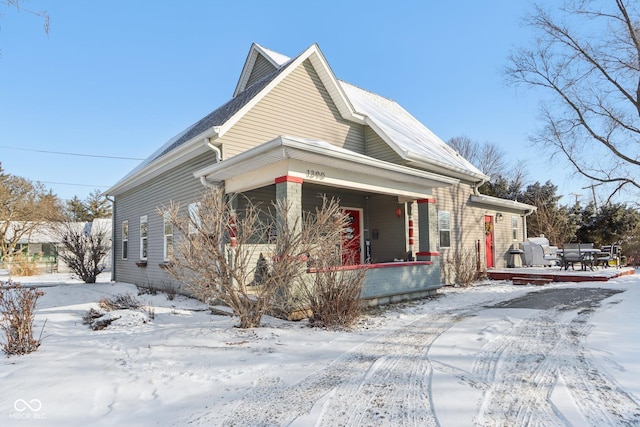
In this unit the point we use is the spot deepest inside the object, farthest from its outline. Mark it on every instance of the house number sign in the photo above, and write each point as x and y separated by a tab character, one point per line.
311	174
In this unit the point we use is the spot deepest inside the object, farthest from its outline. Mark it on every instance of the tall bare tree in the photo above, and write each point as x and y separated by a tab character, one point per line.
487	156
586	57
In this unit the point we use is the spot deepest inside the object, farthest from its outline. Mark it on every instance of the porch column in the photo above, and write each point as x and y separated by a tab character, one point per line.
428	226
289	192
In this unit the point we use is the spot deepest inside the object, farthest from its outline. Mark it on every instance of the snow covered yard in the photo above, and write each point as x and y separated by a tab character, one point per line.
487	355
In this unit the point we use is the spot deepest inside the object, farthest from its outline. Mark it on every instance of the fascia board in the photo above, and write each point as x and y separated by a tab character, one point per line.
246	69
331	83
502	203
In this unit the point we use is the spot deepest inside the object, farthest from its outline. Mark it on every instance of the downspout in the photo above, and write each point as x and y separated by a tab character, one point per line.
113	238
218	153
476	192
524	223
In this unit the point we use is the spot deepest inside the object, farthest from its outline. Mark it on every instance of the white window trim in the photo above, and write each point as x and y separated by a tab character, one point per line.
515	226
165	240
125	239
194	217
144	219
448	230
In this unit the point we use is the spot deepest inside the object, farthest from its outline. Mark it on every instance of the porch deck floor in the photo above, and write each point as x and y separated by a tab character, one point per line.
540	275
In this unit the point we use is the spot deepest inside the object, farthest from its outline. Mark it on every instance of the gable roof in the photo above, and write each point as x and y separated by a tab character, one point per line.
409	138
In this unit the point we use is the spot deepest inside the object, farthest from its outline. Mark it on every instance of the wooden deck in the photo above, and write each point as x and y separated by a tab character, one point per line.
542	276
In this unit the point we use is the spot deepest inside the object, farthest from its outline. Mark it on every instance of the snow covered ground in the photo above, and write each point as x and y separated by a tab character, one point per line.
487	355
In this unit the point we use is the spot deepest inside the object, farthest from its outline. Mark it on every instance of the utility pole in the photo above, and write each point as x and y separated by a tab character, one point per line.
593	191
577	196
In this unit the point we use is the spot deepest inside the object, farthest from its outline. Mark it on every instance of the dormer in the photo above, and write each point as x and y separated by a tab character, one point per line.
260	62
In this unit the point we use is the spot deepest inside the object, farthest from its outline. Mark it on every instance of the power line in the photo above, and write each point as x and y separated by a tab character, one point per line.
70	154
68	183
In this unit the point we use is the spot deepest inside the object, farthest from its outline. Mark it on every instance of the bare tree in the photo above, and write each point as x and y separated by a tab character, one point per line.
24	208
83	247
487	156
587	58
18	5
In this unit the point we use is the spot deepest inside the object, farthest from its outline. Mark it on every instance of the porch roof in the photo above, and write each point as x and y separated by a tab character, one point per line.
395	179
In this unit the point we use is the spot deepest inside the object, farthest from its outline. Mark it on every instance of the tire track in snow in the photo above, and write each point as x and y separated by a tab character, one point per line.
524	363
387	380
384	381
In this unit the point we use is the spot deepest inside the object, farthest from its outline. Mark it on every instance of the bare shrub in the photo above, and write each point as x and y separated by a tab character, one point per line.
119	302
17	311
334	296
83	247
100	319
23	265
247	258
461	267
170	293
91	315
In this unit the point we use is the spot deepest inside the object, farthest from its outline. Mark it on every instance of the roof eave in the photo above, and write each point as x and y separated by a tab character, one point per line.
191	148
502	203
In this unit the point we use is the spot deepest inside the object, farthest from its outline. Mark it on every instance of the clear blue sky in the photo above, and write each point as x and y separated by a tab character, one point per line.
120	78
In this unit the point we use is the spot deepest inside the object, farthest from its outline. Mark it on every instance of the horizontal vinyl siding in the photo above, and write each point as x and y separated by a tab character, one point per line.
468	224
378	149
299	106
177	185
261	68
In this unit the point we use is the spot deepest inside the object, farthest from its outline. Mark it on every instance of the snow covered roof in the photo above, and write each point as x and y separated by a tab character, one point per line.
404	133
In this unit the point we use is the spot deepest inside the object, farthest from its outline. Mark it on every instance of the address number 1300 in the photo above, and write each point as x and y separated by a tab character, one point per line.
311	174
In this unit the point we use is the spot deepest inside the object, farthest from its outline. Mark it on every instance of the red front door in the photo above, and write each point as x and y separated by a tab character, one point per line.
488	232
351	239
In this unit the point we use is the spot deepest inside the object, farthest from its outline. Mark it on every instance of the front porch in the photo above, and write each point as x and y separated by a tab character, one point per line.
544	275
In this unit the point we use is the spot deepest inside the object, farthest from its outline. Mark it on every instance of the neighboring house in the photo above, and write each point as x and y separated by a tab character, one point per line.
293	130
41	243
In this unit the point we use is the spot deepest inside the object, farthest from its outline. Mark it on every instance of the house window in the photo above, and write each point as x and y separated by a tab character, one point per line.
143	236
194	218
168	237
125	239
514	227
444	228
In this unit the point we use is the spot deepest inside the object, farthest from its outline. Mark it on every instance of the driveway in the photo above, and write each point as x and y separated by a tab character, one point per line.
520	362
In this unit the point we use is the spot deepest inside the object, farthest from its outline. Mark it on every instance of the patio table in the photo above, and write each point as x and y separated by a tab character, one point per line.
585	256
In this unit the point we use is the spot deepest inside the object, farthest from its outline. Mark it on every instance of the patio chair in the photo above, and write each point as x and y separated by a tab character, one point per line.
610	253
570	255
